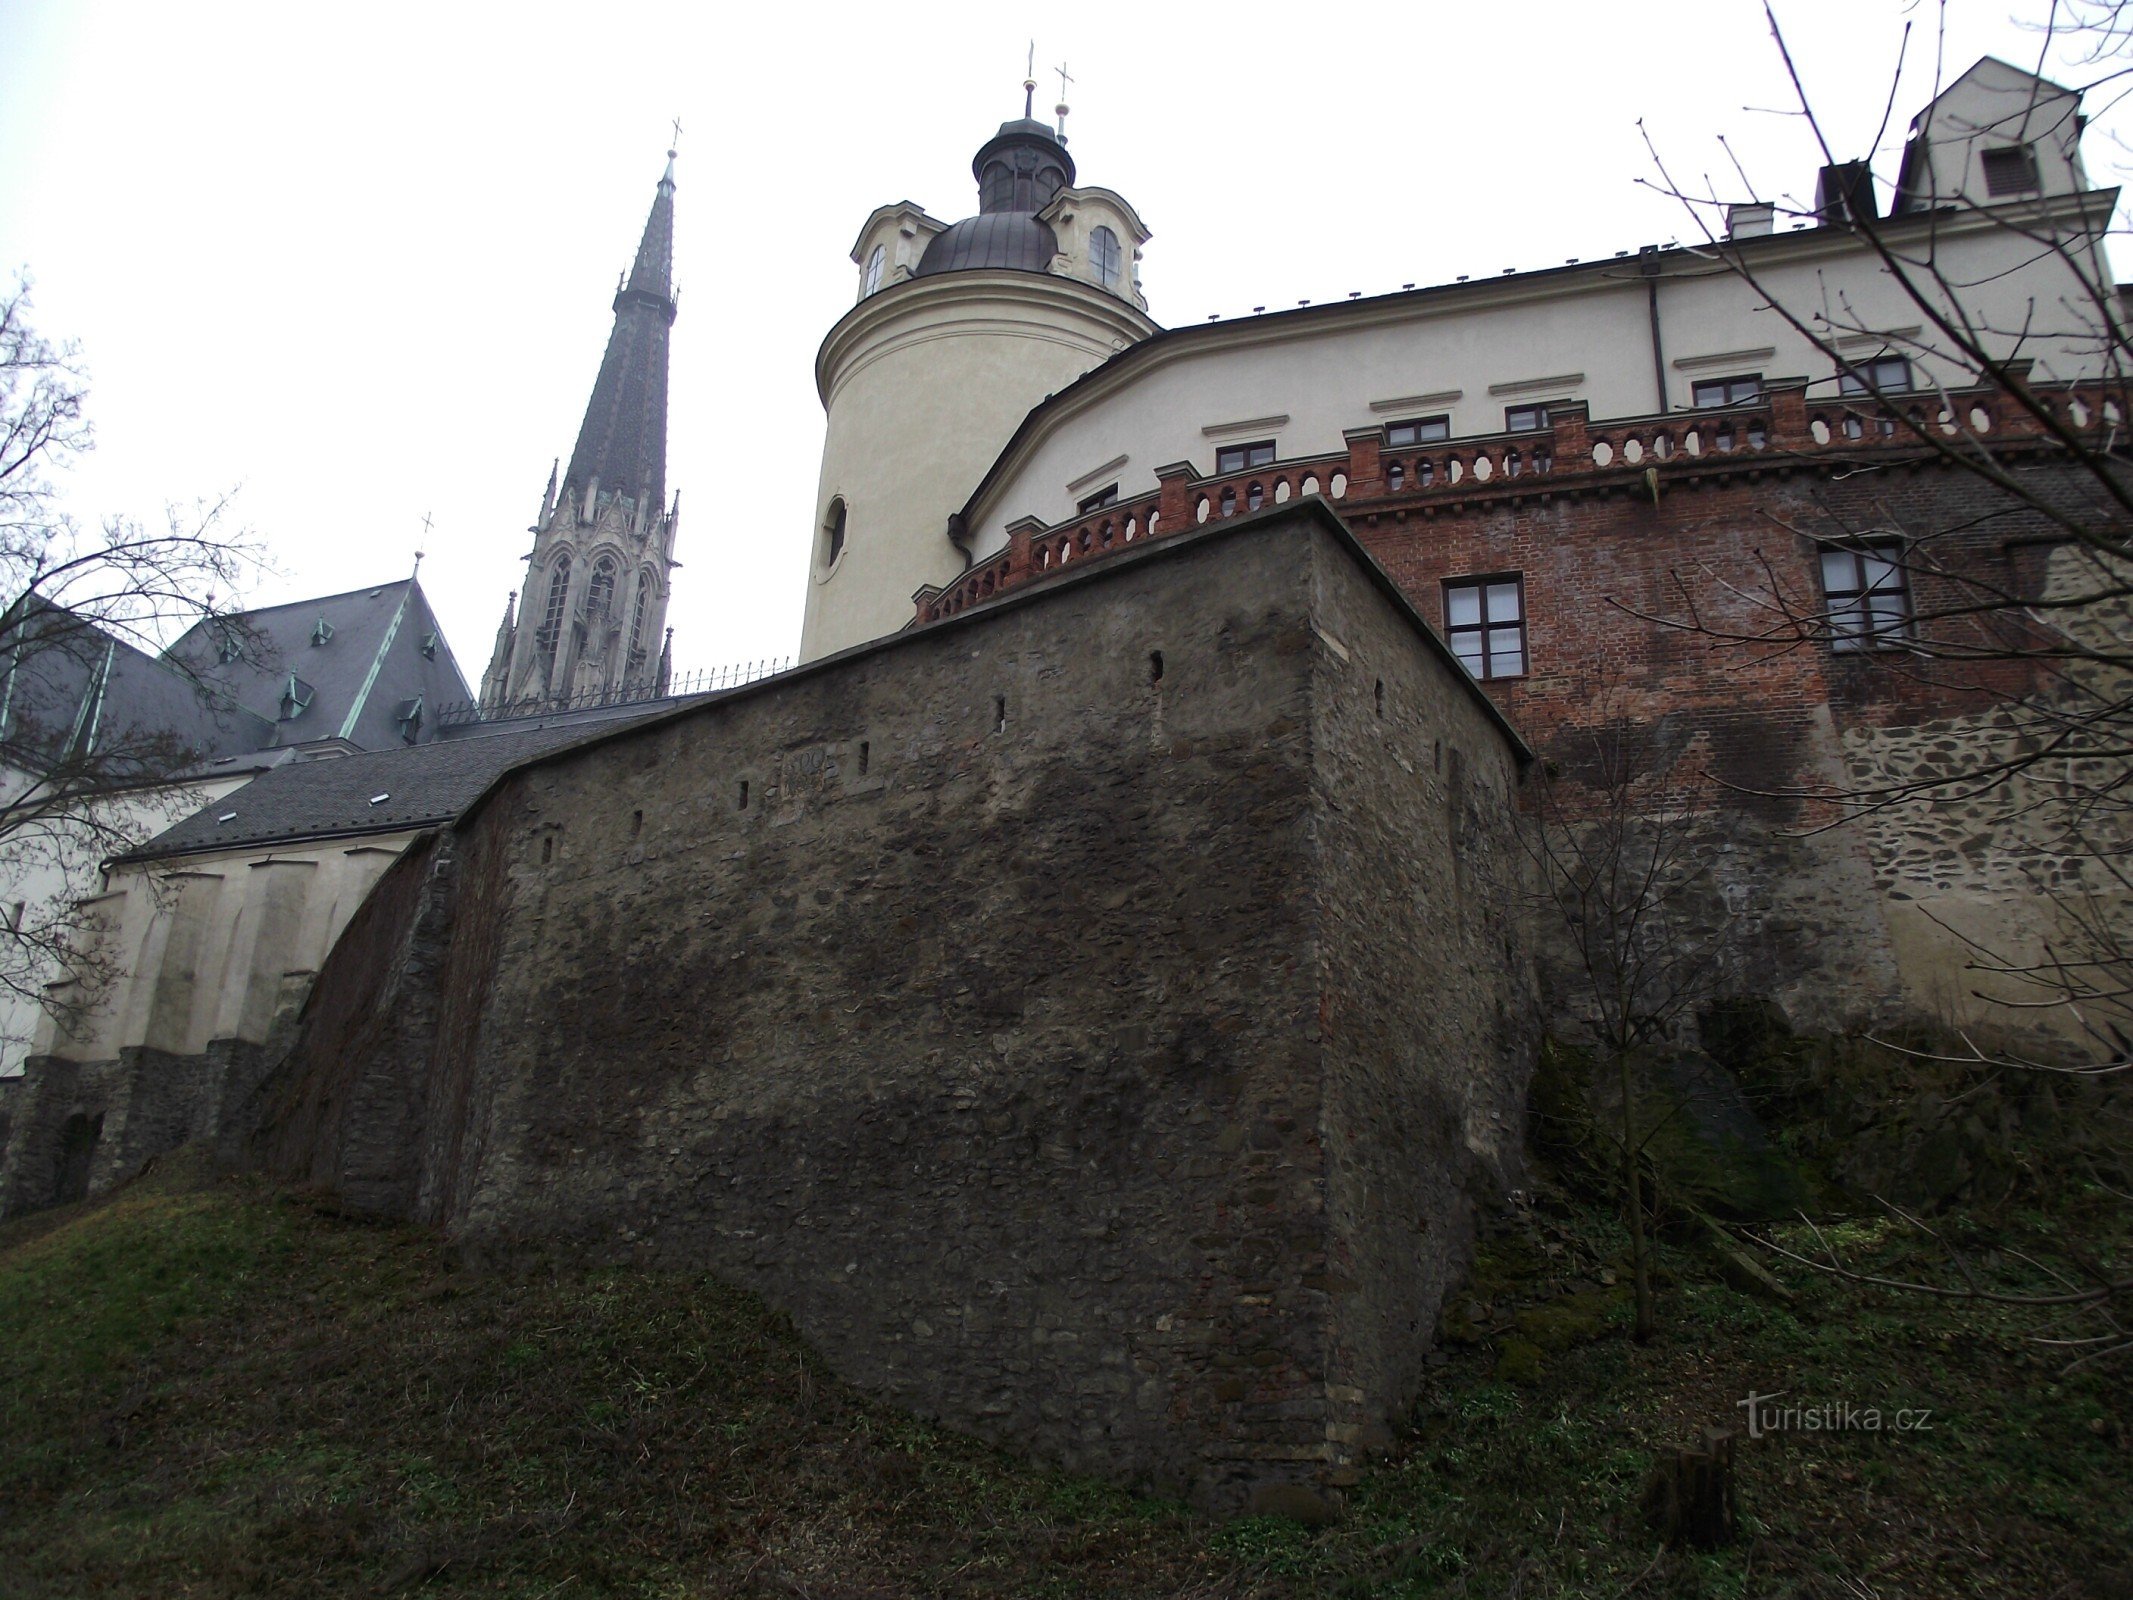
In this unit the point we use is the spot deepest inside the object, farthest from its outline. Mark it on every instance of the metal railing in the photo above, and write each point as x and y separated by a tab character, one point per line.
705	680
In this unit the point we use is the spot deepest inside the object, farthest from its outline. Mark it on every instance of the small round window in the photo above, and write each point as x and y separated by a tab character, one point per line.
875	262
833	534
1106	256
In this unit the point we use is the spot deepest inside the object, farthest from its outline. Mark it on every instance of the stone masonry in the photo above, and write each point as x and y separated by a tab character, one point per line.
1094	1019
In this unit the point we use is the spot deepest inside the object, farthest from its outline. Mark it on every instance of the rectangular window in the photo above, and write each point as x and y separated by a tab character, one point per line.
1868	594
1741	391
2012	169
1100	499
1418	430
1241	457
1524	419
1882	375
1485	624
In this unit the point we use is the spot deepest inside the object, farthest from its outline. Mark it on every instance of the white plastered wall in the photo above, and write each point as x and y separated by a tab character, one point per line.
924	383
208	946
1583	335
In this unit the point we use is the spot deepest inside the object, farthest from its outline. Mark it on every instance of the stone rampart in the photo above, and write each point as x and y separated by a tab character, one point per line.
1093	1020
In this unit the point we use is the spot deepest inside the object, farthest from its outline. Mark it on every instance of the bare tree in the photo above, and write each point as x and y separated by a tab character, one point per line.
87	768
1623	854
2047	639
2018	598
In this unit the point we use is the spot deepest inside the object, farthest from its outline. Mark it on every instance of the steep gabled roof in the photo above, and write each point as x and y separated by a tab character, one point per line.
362	655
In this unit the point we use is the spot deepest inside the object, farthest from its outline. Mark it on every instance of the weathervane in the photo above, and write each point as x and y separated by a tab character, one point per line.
1029	84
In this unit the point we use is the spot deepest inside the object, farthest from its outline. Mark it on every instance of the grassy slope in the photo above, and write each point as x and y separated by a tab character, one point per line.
209	1388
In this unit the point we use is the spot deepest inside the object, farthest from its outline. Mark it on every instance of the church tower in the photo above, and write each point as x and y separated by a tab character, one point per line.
958	331
594	620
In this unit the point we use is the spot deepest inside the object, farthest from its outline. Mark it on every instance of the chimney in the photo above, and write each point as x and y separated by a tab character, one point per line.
1750	221
1845	193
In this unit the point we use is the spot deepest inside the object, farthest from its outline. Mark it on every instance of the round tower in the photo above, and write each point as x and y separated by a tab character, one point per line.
958	331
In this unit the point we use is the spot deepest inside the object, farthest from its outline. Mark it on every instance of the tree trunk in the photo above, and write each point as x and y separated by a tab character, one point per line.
1640	1265
1689	1497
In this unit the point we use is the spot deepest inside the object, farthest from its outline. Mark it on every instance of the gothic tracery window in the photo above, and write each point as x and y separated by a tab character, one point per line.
558	594
644	597
600	595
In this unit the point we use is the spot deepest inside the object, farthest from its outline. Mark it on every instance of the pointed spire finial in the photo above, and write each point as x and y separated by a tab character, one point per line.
666	179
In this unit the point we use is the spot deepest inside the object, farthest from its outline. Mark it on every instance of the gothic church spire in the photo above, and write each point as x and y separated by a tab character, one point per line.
598	577
622	445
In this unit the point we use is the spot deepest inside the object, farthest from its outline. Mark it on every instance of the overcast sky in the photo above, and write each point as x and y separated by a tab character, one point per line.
357	261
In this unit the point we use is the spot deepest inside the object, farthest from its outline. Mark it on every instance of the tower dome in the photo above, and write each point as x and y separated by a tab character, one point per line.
958	329
1020	170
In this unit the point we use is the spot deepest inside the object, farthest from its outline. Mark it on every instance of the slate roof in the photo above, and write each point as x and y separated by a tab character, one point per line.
328	797
360	677
622	442
74	684
1012	240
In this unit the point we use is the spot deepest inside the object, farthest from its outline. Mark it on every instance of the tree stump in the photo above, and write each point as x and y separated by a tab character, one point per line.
1689	1497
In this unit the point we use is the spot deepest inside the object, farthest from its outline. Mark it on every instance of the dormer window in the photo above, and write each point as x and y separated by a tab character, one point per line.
296	697
2011	169
876	263
321	631
408	716
1106	257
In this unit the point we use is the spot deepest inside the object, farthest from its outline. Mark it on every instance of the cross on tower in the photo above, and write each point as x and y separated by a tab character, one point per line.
677	133
1064	79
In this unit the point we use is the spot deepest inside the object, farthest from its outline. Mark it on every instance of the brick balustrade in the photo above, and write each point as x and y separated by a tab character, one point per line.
1573	455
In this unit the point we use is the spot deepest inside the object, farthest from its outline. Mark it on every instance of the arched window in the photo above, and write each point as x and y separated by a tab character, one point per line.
833	534
875	263
558	594
644	600
600	596
1106	257
996	188
1050	180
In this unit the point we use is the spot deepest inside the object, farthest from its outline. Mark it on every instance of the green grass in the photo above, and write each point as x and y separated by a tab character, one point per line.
212	1388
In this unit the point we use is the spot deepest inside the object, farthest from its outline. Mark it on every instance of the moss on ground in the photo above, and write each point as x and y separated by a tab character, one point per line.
212	1388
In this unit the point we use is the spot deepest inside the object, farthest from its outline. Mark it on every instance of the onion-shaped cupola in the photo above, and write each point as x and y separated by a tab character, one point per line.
1020	170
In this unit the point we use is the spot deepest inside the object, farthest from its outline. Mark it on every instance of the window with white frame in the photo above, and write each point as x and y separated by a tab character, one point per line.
1882	375
1485	624
1106	256
1867	591
1418	430
1743	390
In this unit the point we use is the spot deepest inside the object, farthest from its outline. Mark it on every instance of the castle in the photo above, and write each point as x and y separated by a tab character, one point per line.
1094	992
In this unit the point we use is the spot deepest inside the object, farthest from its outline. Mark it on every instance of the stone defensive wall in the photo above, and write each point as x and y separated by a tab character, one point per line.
1095	1019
